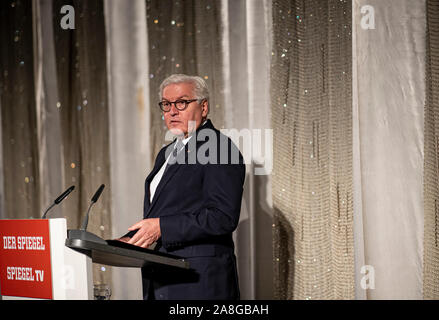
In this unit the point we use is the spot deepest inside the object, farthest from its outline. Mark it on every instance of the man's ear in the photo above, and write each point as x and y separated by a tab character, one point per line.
205	108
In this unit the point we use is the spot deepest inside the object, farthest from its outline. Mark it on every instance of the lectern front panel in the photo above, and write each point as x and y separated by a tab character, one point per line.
25	266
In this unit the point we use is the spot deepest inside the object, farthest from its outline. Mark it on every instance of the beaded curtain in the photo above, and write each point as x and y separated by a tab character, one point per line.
431	153
83	105
312	173
19	127
184	37
81	85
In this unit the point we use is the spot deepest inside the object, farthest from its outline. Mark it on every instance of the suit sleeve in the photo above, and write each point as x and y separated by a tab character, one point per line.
222	193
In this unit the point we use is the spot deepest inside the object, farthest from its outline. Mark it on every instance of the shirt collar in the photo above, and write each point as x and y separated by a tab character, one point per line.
186	140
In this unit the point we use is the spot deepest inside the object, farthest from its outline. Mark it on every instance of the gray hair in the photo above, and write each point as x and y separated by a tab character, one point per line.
201	90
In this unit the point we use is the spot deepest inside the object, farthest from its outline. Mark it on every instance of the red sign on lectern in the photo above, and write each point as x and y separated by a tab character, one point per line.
25	269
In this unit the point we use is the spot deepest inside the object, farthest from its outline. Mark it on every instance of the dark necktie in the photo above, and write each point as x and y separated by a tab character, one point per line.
179	145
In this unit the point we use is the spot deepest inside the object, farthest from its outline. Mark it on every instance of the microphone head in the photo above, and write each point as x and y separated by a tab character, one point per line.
98	193
93	200
64	195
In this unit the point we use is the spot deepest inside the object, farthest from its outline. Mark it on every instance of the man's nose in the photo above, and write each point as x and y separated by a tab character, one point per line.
173	110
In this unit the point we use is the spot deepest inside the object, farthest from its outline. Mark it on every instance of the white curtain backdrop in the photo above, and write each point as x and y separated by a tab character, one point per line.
247	54
388	103
48	120
127	60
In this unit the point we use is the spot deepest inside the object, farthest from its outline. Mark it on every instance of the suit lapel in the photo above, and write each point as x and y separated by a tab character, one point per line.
159	163
168	174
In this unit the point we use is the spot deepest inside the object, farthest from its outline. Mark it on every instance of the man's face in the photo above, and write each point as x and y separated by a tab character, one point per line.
178	121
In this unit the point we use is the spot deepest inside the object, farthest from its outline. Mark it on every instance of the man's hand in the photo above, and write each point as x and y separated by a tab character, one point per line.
148	233
123	239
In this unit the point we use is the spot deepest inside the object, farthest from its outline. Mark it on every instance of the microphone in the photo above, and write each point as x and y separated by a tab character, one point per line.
98	193
93	200
58	200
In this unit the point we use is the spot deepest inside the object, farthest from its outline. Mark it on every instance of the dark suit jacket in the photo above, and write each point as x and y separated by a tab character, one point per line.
198	204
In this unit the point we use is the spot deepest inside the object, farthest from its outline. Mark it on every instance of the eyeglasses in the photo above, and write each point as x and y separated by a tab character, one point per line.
179	104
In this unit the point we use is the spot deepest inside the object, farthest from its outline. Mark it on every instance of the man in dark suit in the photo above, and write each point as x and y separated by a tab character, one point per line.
192	199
